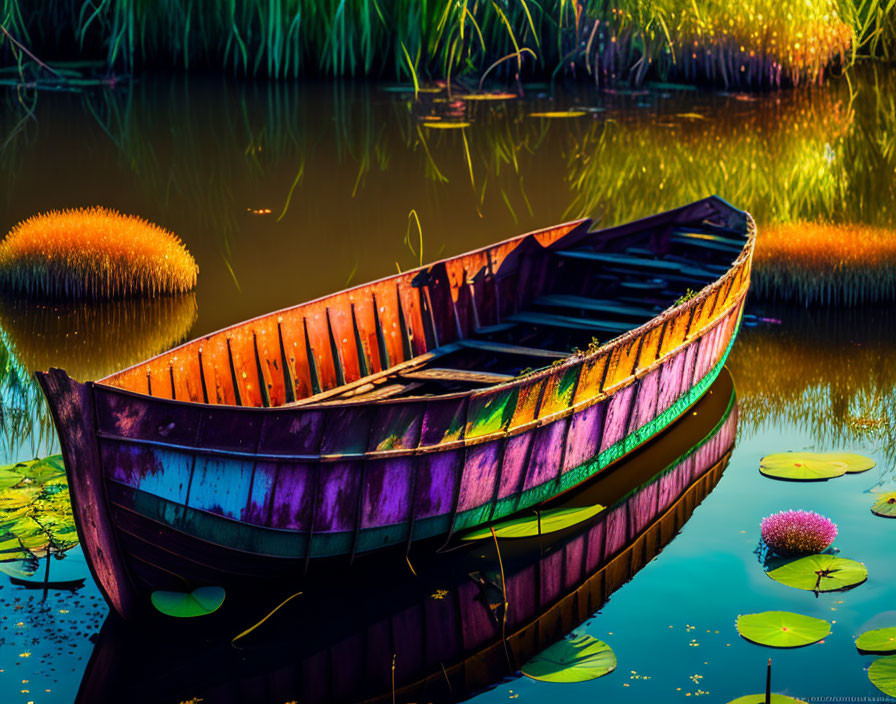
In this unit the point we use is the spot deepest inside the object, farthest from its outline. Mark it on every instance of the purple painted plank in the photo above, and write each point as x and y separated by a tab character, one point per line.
396	427
337	503
551	578
575	554
617	415
645	403
670	381
292	497
480	474
513	471
546	455
442	421
346	430
583	438
436	479
386	487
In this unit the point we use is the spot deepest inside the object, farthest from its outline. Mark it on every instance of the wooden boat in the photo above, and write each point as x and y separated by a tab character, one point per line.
411	408
444	624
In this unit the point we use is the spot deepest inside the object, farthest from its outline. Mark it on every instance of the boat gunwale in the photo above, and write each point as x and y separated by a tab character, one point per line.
534	377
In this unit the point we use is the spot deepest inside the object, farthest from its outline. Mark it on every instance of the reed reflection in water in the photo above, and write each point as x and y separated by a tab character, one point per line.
285	192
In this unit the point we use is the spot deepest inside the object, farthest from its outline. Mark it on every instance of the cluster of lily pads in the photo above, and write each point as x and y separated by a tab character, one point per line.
791	532
35	515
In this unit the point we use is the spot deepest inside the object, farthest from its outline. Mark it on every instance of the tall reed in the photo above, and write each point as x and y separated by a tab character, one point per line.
758	44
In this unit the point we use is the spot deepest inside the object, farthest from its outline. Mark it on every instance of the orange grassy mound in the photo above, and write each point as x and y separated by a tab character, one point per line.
93	253
811	263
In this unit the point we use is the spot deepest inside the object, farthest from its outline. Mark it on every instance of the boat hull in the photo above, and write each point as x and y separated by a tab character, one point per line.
172	494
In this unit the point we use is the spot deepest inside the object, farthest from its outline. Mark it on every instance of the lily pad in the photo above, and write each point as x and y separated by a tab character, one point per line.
760	699
527	526
489	96
199	602
800	466
854	463
782	629
576	659
882	674
559	115
885	505
820	573
446	125
881	640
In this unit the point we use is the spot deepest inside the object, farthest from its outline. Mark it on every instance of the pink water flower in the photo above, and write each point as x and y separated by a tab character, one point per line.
798	532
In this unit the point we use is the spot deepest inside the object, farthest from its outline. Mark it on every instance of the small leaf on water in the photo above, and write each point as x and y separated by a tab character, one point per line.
446	125
800	466
760	699
885	505
527	526
558	115
881	640
578	658
489	96
854	463
882	674
782	629
822	573
199	602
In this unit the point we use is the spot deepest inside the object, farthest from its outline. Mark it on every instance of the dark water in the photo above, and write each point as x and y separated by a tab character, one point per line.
340	168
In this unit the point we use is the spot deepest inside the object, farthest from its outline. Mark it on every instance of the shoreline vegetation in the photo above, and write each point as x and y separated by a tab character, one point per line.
760	45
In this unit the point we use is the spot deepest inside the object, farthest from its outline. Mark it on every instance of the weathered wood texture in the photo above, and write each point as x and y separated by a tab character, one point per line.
199	488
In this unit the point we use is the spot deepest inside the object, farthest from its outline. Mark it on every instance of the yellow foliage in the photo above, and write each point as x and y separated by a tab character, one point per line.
93	253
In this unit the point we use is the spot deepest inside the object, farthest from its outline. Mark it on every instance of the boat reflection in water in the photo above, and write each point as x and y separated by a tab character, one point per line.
438	632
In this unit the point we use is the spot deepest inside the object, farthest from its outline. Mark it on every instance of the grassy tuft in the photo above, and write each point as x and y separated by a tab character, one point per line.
93	254
816	263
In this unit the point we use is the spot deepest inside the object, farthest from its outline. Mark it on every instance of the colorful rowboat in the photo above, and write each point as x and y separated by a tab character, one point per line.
412	408
444	625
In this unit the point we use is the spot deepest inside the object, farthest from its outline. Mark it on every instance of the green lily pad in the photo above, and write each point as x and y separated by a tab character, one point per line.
800	466
527	526
821	573
885	505
199	602
881	640
882	674
575	659
782	629
558	114
760	699
854	463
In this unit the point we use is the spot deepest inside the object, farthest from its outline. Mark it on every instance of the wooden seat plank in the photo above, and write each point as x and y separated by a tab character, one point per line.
469	376
504	348
619	259
570	322
602	306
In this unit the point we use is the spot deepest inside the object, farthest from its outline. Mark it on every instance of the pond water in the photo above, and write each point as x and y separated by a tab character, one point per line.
284	192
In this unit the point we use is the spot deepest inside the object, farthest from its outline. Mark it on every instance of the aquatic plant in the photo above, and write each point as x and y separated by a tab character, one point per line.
577	658
820	573
880	640
792	533
882	674
766	43
94	254
782	629
821	263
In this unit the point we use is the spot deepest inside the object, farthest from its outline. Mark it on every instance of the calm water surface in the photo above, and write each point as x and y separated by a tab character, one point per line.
287	192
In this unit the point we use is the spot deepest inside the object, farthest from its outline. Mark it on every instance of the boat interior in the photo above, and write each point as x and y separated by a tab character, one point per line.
463	324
